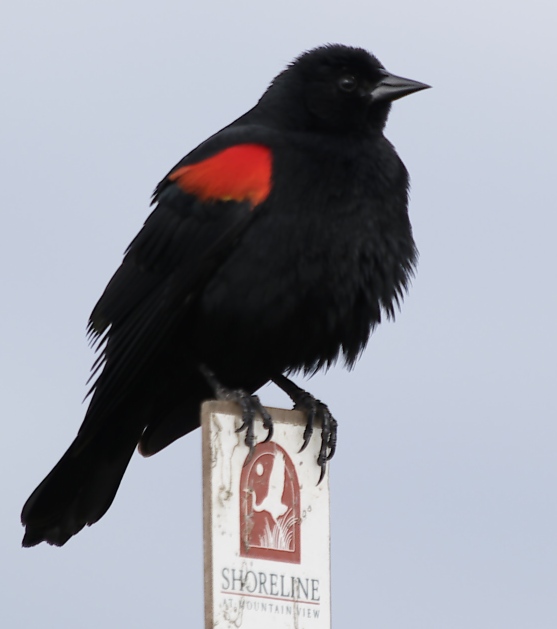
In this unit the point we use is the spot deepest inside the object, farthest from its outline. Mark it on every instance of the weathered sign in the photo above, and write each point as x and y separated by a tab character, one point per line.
266	525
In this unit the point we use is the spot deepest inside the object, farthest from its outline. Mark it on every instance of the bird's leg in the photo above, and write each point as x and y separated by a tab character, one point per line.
312	409
250	405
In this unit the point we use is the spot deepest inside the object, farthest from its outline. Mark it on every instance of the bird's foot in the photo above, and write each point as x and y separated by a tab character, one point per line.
313	409
250	405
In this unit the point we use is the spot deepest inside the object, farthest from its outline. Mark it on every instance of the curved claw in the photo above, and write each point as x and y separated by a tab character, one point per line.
308	405
323	470
308	432
328	438
250	406
243	426
267	423
332	442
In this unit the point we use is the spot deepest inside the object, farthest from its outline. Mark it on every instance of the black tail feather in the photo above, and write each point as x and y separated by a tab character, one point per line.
78	491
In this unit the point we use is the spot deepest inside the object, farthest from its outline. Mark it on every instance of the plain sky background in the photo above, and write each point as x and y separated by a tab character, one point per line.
444	487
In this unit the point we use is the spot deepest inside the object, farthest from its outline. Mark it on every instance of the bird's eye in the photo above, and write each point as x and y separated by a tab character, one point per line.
348	83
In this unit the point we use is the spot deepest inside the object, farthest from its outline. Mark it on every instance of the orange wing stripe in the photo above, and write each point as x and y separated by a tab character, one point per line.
238	173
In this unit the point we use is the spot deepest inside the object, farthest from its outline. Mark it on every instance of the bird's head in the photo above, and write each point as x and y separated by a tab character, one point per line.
336	88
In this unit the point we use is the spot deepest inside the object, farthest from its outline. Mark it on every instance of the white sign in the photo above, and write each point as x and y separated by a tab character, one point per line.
266	525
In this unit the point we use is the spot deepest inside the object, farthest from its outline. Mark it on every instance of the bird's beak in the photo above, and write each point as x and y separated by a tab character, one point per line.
392	87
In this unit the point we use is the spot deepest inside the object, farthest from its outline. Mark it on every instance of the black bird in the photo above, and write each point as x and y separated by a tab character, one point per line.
275	247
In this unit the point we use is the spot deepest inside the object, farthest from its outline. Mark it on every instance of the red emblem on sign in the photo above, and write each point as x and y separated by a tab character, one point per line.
270	506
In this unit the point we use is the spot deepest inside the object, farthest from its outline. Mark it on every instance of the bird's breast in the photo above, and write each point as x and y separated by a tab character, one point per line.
311	274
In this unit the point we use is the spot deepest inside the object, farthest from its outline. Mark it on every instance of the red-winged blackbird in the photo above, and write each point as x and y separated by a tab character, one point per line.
275	246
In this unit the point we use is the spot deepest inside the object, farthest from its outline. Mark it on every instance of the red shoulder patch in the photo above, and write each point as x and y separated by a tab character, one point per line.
239	173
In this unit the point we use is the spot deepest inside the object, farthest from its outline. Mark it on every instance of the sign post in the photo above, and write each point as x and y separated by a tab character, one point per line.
266	525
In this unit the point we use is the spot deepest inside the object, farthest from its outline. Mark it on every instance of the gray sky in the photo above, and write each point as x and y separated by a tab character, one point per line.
444	486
